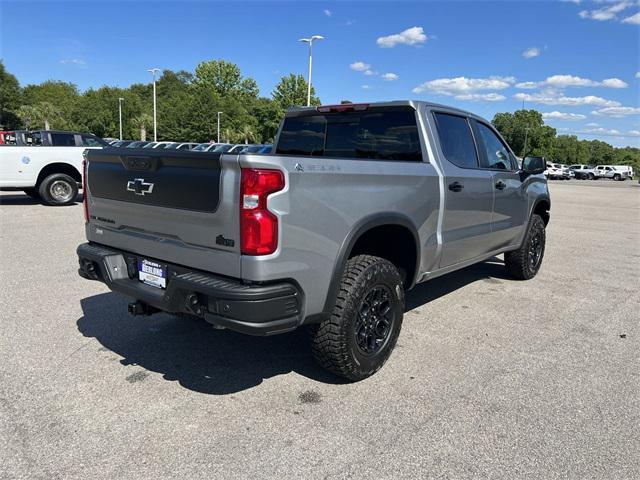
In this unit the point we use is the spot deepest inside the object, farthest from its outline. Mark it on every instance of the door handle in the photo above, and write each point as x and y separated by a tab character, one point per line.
456	186
501	185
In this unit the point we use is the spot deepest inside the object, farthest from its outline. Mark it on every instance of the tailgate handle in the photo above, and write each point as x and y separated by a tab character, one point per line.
137	163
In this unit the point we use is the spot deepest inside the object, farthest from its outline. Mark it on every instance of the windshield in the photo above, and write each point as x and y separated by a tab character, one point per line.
222	148
201	147
172	146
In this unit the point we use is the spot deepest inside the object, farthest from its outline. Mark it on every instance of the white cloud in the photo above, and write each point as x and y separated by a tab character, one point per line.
78	62
531	52
367	87
555	115
410	36
565	81
592	124
612	132
327	12
610	13
614	83
480	97
461	85
562	81
633	19
370	73
527	85
617	111
360	66
389	77
553	98
637	74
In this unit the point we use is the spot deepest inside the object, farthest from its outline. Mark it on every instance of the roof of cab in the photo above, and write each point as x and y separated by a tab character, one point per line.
394	103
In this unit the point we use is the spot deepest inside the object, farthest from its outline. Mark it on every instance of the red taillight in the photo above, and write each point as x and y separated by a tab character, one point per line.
258	226
85	200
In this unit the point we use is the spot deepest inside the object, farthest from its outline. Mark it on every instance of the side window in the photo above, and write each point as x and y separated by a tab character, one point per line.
89	141
63	140
498	156
456	140
33	139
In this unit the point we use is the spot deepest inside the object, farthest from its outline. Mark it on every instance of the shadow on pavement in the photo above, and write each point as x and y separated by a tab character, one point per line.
220	362
24	199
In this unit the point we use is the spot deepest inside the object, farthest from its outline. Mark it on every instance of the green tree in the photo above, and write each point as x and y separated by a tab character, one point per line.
225	79
10	99
62	95
143	122
28	115
291	91
525	125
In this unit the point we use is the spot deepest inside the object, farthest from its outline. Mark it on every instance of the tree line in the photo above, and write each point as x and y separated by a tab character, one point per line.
188	104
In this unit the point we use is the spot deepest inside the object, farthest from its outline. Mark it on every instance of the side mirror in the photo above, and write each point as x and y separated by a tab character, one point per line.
533	165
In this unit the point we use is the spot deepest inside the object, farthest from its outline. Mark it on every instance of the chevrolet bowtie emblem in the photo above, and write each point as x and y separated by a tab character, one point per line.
139	186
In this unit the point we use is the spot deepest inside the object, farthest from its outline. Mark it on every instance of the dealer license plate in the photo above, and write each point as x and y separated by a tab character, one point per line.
152	273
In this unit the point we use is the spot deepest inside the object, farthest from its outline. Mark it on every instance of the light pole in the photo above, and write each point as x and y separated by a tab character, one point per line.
120	100
218	140
153	72
310	42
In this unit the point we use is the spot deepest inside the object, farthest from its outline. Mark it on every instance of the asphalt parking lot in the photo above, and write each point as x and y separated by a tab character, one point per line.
492	378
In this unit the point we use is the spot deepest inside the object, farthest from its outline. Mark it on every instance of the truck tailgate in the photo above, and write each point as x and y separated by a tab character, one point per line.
180	207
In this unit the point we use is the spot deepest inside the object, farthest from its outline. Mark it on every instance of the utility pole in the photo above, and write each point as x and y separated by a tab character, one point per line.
218	139
310	41
153	72
120	100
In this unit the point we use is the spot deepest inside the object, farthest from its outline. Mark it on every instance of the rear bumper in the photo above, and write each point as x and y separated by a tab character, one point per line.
256	309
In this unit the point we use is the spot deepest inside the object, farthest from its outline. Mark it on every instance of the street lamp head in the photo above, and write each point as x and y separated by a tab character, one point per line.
311	40
120	99
153	71
317	37
305	40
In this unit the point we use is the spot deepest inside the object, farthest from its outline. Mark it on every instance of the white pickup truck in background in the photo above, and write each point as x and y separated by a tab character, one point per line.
48	166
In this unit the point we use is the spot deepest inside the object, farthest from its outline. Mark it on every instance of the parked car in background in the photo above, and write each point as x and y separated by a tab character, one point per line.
222	148
52	138
158	145
10	137
138	144
626	169
608	171
180	146
252	149
582	172
204	147
48	166
122	143
238	147
555	171
565	168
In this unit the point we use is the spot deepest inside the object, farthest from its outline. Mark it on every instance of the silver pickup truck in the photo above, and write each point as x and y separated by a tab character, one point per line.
357	204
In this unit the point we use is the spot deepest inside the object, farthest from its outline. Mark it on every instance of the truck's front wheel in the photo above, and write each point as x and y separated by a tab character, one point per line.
525	262
359	336
58	189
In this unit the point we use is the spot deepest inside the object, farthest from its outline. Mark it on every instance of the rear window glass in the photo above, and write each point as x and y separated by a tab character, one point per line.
387	133
456	140
63	140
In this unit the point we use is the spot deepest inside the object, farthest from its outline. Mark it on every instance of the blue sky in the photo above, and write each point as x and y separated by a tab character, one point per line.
576	61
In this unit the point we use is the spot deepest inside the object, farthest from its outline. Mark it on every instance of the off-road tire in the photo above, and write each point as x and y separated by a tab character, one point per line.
592	176
523	263
334	341
32	192
68	185
617	177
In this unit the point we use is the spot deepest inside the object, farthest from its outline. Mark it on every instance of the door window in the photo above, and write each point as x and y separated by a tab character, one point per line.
498	156
63	140
456	140
89	141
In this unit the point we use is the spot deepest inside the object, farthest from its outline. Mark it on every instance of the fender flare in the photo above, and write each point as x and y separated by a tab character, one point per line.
362	226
